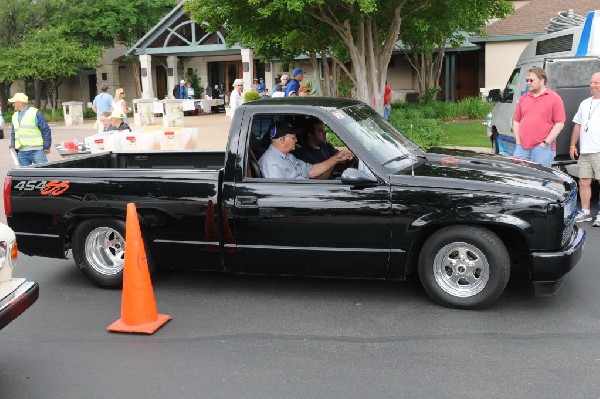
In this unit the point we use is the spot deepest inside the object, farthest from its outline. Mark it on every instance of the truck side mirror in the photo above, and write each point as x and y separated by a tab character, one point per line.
494	96
507	96
354	177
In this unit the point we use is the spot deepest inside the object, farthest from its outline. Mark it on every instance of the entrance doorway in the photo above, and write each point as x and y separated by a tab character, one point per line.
161	82
233	71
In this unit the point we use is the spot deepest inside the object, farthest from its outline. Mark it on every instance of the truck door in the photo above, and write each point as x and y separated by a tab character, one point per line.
308	227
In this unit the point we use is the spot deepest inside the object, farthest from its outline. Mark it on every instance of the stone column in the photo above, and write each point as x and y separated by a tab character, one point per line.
143	112
73	113
173	115
248	59
146	65
172	80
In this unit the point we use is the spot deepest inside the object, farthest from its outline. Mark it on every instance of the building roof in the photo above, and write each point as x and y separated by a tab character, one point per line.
533	17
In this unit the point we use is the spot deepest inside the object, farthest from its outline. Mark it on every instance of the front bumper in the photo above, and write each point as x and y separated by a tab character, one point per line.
549	268
17	301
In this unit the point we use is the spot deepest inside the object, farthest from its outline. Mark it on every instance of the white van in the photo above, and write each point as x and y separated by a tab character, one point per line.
569	57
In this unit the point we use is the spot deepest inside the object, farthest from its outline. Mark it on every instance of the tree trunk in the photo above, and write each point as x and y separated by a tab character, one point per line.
4	96
37	84
136	75
317	74
369	56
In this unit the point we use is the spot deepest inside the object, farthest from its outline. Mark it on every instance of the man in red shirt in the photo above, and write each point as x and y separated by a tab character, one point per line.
538	119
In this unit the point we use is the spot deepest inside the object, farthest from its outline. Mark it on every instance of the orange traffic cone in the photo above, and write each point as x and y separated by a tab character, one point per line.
138	308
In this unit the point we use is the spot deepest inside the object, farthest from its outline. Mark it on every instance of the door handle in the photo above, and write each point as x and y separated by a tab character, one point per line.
244	201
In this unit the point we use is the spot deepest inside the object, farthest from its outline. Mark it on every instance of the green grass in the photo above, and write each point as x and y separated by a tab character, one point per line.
465	134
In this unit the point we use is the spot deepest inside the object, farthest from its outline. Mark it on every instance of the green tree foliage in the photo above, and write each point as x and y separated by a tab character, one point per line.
50	55
441	23
51	39
365	30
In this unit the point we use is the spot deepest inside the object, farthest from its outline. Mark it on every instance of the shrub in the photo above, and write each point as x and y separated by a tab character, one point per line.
251	96
425	132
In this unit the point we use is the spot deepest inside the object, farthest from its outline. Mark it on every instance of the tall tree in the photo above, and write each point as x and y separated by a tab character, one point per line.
17	18
367	30
50	55
441	23
110	22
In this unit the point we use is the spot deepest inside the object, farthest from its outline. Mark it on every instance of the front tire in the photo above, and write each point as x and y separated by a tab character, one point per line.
99	251
464	267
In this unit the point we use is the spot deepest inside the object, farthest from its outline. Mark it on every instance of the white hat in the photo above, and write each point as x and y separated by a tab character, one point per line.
182	81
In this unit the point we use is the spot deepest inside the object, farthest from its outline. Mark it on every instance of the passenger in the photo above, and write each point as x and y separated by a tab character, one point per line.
278	162
315	147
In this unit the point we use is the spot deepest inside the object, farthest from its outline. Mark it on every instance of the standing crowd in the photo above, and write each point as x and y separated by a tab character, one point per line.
538	120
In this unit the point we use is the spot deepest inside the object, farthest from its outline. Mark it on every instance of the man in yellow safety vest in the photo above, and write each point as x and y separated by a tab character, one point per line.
30	134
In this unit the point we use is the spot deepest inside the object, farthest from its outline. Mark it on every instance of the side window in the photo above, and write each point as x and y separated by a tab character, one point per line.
511	86
324	143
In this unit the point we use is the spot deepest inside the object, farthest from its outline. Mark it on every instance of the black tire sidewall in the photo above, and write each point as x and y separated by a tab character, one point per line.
488	243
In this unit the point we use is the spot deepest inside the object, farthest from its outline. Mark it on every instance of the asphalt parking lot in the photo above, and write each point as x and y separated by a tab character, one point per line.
268	337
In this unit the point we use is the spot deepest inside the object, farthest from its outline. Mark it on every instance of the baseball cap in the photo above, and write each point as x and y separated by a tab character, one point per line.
280	129
298	71
261	78
182	81
21	97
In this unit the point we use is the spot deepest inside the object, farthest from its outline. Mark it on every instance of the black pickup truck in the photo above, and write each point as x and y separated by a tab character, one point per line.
462	220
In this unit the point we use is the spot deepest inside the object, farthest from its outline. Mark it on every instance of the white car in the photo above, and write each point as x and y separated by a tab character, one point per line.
16	294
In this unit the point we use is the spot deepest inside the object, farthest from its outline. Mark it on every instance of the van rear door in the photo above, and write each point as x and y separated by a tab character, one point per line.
570	78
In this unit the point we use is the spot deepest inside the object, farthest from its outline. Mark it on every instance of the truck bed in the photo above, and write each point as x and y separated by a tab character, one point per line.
211	160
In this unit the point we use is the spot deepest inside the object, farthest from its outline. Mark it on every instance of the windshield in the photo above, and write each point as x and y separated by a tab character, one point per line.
390	148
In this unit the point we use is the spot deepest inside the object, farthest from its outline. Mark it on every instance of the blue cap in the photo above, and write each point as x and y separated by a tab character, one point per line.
298	71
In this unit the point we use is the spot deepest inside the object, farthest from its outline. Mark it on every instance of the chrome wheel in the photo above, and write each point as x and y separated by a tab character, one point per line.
105	250
461	269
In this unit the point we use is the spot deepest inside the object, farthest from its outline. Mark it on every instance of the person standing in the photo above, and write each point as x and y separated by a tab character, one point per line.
294	84
236	98
119	103
190	91
586	131
30	135
102	103
280	87
387	102
179	92
261	85
538	119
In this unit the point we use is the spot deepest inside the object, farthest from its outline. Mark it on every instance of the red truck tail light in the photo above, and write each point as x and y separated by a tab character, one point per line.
7	186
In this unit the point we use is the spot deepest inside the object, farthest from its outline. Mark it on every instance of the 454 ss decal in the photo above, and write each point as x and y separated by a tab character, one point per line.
52	187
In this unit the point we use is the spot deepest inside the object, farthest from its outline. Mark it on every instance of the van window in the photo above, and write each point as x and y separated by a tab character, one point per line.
509	90
554	45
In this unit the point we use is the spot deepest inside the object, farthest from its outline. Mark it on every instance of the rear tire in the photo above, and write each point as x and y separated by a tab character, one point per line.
464	267
99	251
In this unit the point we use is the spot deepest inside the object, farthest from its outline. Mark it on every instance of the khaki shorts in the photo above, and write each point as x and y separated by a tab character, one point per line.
589	166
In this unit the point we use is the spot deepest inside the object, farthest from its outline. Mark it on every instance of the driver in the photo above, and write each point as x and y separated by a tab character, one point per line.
278	162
